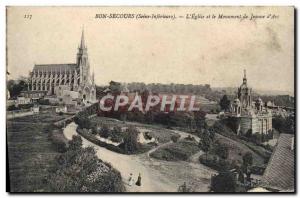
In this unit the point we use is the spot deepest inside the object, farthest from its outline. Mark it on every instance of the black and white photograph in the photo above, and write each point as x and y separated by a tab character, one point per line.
150	99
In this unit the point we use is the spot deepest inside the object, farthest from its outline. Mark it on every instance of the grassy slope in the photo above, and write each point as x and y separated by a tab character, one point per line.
157	131
181	150
29	151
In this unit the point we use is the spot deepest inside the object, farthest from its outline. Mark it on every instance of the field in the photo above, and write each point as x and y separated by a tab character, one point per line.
181	150
30	153
159	132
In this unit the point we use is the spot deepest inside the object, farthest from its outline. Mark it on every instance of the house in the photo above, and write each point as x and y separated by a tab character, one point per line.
61	109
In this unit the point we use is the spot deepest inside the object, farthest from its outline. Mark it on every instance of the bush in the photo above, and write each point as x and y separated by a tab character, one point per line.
58	140
223	182
181	150
12	108
80	170
117	134
221	150
75	143
82	120
105	131
94	140
175	138
25	106
215	162
44	102
130	142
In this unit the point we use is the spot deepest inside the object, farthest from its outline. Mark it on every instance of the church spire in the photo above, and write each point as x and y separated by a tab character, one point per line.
245	78
93	77
82	43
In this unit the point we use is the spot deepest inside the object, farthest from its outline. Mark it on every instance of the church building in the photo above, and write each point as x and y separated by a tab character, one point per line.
65	81
251	115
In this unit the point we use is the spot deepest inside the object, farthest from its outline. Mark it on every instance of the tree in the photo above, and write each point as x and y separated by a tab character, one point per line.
117	134
16	86
130	141
199	117
205	142
83	121
105	131
248	159
284	124
75	143
223	182
225	103
115	87
221	150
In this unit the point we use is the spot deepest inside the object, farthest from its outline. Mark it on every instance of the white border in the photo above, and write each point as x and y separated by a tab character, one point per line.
4	3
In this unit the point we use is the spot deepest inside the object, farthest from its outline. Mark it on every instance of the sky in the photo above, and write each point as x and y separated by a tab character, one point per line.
187	51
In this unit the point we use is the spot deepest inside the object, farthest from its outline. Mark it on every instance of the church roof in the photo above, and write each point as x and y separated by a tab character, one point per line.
54	67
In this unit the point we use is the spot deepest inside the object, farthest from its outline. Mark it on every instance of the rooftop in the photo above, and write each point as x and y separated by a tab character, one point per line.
280	172
54	67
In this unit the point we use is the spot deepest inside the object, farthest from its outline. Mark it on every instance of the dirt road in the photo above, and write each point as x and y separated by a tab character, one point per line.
157	175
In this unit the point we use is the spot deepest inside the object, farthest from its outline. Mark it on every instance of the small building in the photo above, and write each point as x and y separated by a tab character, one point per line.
33	95
61	109
22	100
68	97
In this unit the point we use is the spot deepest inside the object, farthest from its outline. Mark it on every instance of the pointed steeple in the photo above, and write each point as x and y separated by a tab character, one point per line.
245	78
93	76
82	43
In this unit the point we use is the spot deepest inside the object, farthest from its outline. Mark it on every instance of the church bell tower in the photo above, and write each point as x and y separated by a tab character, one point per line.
82	60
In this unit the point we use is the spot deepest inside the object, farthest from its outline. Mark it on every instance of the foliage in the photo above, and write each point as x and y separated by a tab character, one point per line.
225	103
16	86
205	141
215	162
58	140
105	131
75	143
115	87
43	102
25	106
13	108
199	117
82	120
221	150
130	142
117	134
175	137
247	159
284	124
181	150
79	170
223	182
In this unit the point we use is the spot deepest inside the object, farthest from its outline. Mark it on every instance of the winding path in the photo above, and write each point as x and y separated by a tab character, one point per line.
157	175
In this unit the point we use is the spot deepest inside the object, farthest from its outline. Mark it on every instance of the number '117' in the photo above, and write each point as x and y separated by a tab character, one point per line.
28	16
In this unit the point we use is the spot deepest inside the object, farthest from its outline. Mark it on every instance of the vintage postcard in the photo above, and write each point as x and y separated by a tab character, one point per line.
150	99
